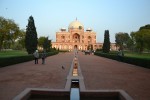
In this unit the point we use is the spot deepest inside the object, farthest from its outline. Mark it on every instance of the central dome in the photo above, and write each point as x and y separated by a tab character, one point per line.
76	25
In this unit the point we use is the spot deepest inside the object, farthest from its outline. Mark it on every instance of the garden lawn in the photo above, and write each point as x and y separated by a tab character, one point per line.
138	55
133	54
12	53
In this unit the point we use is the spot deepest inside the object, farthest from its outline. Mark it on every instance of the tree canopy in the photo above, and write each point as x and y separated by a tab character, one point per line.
145	27
9	32
137	41
122	40
41	41
45	43
142	38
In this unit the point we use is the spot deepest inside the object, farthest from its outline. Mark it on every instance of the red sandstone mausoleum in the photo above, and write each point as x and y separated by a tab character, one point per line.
77	38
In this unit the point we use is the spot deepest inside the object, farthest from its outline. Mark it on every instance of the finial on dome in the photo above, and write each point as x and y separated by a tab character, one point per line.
76	18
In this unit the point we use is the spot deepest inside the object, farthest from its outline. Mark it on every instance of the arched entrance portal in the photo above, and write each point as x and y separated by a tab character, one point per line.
76	38
75	47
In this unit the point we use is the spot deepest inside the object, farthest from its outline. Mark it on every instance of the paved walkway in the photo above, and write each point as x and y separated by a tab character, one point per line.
102	73
14	79
98	73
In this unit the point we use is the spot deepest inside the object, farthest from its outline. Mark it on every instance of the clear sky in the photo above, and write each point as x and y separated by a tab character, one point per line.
100	15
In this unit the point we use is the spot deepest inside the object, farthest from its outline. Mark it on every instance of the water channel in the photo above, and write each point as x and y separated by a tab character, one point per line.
75	91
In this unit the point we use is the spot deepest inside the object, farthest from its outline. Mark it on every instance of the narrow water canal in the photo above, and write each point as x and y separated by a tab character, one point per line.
74	92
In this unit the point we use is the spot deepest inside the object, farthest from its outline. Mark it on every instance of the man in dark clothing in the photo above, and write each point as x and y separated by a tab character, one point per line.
43	56
120	55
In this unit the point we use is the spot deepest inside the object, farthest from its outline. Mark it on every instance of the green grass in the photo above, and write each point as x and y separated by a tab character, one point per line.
138	55
14	57
12	53
139	59
134	54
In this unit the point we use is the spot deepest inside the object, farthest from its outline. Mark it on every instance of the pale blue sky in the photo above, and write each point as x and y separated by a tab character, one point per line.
51	15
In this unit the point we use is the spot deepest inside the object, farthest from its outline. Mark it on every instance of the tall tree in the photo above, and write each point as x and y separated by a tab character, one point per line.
41	41
106	44
122	40
146	31
141	38
8	32
31	36
47	45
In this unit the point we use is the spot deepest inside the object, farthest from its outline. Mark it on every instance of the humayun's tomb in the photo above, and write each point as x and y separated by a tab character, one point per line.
77	38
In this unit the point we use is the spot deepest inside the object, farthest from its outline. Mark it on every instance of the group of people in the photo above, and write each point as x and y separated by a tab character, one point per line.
36	56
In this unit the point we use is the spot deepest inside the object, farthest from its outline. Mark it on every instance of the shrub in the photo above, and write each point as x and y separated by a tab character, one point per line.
63	51
52	53
137	61
5	61
144	62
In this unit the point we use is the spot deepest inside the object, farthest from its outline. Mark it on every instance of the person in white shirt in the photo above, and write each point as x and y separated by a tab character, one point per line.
36	56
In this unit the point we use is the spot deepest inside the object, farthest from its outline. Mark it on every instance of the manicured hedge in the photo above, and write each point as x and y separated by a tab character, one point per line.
14	60
63	51
5	61
131	60
137	61
52	53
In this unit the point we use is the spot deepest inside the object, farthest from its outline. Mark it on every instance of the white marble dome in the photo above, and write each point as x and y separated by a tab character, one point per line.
75	25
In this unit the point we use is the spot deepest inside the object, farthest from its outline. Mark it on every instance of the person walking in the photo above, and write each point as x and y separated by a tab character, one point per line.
43	56
36	56
120	55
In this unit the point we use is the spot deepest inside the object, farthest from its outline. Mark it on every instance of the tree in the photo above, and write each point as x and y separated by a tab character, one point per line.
122	40
20	42
106	44
130	44
147	39
41	41
3	31
8	32
141	38
145	27
21	38
146	31
31	36
47	45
